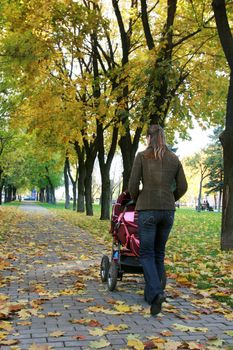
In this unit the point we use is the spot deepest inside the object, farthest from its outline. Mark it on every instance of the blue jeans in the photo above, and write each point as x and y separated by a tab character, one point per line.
154	229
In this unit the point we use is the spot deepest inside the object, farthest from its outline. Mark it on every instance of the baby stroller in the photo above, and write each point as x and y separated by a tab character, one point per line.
125	246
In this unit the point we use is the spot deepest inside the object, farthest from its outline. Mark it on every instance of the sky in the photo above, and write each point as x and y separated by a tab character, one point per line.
199	140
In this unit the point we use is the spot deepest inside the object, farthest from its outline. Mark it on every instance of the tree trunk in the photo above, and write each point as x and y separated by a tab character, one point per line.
219	200
215	202
88	194
50	194
14	190
199	196
1	185
74	190
226	39
227	204
81	177
8	193
66	180
105	194
42	195
91	152
50	190
127	159
85	170
105	161
81	191
74	183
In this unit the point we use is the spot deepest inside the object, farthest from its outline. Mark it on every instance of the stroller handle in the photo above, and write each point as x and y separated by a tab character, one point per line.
131	202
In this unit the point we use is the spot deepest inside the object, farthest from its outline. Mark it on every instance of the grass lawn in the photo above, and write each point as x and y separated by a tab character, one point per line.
10	204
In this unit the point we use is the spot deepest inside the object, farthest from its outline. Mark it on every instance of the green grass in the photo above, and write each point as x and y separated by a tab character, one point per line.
58	205
193	252
13	203
61	205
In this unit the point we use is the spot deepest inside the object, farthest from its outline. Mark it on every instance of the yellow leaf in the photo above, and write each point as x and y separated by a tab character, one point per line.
56	334
123	308
5	325
40	347
24	323
97	331
135	344
99	344
119	327
3	335
229	317
104	310
9	342
184	328
84	257
229	333
3	297
24	314
215	342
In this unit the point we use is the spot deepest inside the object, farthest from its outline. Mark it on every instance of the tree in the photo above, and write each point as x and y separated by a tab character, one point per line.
215	160
81	89
226	39
200	164
173	69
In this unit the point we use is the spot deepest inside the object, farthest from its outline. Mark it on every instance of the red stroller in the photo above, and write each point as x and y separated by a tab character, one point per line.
125	246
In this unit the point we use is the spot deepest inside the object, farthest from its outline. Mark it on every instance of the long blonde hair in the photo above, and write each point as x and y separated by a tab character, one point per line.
157	140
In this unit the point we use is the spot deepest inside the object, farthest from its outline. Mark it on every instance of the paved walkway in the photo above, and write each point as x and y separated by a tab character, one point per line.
54	280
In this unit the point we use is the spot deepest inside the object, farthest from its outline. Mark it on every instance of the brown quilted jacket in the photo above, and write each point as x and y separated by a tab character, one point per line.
163	181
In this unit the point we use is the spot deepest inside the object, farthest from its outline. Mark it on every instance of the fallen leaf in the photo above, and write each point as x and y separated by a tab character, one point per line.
9	342
24	314
79	337
166	333
119	327
229	333
56	334
99	344
5	326
123	308
135	344
3	335
85	300
24	323
97	332
53	314
87	322
40	347
184	328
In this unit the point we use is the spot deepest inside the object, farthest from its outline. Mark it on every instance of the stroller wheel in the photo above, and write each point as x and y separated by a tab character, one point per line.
112	275
104	267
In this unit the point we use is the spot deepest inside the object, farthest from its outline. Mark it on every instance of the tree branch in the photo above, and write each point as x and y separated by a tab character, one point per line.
146	26
225	36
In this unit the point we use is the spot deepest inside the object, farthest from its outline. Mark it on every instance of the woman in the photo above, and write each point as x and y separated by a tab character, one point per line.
163	183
